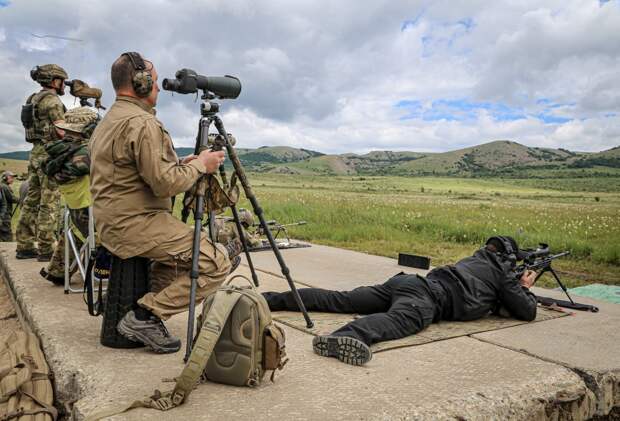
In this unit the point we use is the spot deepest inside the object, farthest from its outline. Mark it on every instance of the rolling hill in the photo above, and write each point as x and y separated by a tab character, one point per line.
496	158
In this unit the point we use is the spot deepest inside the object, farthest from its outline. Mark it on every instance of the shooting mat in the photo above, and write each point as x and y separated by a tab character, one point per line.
326	323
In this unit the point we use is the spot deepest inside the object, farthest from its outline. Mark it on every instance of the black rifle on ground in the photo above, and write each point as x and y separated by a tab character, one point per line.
278	228
540	260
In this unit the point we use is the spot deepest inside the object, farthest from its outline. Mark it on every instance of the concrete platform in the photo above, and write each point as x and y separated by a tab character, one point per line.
480	377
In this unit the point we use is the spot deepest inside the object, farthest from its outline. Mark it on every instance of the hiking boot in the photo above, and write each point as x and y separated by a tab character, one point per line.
56	280
346	349
151	333
26	254
45	257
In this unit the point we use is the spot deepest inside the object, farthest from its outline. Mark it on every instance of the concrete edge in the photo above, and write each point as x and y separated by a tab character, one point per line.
605	386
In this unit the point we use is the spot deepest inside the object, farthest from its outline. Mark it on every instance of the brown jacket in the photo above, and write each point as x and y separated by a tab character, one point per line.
134	173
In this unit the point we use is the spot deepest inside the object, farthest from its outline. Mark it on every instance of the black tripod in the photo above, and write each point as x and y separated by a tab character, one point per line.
208	111
568	304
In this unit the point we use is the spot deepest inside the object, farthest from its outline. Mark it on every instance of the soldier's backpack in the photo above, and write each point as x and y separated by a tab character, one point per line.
35	128
237	343
247	342
25	387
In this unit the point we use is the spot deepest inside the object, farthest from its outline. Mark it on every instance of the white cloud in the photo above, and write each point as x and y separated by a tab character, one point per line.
328	75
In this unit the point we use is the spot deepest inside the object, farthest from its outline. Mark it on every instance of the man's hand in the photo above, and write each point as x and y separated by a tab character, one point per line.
211	160
528	278
188	159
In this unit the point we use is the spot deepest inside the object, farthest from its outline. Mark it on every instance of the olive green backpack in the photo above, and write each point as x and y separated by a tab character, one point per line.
236	344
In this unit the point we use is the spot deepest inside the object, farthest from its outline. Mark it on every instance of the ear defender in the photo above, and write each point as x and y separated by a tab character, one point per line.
509	253
142	81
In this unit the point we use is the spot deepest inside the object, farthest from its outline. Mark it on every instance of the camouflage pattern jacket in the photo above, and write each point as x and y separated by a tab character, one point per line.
68	159
49	108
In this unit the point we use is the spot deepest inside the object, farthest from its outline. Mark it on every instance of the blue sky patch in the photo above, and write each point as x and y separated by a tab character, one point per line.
4	3
457	110
551	119
409	22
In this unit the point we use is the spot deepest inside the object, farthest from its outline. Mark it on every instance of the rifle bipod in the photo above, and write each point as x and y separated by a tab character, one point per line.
209	116
548	301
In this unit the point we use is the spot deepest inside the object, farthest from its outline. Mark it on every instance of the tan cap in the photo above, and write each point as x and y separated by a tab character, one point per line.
77	119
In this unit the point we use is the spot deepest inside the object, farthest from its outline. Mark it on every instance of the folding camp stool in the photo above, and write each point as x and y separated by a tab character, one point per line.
81	257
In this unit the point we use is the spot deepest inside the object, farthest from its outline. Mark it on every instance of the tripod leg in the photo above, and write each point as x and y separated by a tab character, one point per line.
259	212
244	244
198	214
557	278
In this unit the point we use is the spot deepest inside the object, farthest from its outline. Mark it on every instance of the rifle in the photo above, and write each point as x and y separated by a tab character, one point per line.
539	260
279	228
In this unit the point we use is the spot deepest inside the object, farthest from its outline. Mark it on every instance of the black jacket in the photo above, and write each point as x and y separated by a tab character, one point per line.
480	284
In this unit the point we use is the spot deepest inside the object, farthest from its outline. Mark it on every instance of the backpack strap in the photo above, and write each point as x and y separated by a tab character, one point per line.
94	307
223	303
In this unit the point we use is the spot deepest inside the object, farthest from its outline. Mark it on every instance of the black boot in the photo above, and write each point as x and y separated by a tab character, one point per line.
26	254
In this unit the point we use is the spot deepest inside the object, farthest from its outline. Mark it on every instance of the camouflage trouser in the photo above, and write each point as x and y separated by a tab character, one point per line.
38	218
79	218
6	233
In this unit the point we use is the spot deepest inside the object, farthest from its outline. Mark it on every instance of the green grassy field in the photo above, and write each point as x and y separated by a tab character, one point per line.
448	218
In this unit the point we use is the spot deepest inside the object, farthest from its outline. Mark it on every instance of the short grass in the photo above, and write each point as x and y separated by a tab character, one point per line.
448	218
16	166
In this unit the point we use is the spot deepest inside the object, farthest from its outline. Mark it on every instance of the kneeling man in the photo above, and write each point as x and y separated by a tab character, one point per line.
405	304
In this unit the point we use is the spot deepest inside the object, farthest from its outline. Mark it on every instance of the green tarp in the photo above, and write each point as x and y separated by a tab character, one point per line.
610	293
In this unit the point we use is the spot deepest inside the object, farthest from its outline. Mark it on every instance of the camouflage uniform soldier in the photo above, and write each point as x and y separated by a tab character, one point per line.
37	221
69	165
7	199
226	229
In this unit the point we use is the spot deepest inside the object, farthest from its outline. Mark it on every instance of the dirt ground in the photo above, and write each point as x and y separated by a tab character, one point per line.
8	317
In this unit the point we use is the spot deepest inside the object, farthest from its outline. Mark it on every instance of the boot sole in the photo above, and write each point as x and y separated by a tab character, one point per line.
348	350
136	336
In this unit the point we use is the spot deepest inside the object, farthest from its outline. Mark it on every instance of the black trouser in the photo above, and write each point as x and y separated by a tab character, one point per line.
402	306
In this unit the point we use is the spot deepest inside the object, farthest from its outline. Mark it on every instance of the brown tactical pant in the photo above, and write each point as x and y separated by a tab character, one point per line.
170	281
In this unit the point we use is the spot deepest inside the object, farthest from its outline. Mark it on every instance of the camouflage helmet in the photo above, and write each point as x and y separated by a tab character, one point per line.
80	120
46	73
246	218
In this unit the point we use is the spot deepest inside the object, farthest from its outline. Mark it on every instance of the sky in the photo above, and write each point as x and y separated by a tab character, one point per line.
343	76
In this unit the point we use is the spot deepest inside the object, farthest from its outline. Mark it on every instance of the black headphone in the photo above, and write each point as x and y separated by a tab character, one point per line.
511	250
142	81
